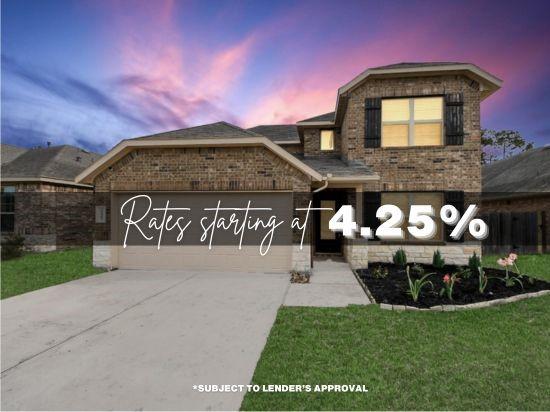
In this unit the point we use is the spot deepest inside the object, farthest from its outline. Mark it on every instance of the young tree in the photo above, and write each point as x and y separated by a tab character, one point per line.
501	144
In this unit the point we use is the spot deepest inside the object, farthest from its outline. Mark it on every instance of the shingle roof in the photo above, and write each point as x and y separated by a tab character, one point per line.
278	132
412	65
207	131
9	152
336	166
327	117
55	162
526	172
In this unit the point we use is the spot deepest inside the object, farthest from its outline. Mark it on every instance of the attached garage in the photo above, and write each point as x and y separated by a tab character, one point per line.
190	253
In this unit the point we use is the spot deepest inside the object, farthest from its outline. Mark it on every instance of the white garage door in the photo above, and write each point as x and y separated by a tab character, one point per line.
190	254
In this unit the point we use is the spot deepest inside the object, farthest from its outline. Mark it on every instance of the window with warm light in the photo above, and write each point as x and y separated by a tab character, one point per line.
327	140
412	122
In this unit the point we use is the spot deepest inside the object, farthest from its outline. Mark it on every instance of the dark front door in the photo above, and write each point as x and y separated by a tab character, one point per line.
327	241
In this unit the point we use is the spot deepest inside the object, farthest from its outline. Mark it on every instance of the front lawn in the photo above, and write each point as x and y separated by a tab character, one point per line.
491	359
534	265
39	270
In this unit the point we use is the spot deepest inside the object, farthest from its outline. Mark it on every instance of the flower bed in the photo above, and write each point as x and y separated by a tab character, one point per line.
448	285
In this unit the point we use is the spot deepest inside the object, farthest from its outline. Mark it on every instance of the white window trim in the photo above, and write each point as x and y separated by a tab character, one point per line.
411	122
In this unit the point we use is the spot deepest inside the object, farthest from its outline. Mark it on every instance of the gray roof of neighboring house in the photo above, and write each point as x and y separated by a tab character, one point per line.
207	131
55	162
278	132
336	166
526	172
9	152
327	117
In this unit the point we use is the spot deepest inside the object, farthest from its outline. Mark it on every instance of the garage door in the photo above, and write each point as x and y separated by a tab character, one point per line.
192	251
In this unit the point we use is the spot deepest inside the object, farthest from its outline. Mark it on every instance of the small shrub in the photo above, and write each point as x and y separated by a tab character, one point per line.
417	270
379	272
400	258
437	261
474	262
12	247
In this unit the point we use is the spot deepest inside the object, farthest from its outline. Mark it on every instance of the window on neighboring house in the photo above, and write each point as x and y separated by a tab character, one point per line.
327	140
412	122
404	200
8	209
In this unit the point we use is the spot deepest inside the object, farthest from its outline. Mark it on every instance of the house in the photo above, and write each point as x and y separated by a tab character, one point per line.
516	202
41	200
404	134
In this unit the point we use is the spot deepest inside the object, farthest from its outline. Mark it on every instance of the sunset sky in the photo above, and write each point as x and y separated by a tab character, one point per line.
92	72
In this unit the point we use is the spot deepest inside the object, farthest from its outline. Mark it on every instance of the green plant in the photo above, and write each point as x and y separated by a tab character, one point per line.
474	262
437	261
379	272
417	270
448	284
400	258
483	279
510	280
12	246
416	285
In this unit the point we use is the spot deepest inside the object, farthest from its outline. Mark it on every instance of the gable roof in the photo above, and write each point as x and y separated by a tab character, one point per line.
278	133
9	152
61	163
326	118
206	131
526	172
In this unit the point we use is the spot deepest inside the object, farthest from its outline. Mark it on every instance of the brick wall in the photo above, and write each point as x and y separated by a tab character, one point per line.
52	216
312	143
199	169
418	168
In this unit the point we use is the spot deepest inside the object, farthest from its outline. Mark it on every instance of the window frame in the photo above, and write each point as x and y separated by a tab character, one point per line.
321	140
411	122
12	213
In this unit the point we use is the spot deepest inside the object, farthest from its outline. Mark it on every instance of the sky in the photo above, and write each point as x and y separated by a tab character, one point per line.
93	72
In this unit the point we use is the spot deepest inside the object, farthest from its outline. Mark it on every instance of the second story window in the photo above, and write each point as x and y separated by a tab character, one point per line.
327	140
412	122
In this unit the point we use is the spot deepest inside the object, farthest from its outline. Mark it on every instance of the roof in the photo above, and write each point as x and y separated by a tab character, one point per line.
9	152
338	167
410	65
526	172
55	162
278	133
207	131
326	117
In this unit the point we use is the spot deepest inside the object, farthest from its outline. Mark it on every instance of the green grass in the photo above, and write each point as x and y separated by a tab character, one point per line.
490	359
534	265
39	270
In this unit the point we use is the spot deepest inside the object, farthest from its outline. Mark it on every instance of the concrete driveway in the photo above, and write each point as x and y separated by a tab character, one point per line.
133	340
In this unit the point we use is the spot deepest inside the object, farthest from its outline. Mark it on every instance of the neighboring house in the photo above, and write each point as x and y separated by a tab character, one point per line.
41	200
402	134
516	202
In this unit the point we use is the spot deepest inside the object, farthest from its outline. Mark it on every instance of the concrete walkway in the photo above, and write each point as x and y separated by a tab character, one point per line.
134	340
332	284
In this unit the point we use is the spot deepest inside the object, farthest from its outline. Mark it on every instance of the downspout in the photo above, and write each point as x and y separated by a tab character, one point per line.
325	185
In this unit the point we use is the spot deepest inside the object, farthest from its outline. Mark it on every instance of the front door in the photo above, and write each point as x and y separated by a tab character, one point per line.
327	241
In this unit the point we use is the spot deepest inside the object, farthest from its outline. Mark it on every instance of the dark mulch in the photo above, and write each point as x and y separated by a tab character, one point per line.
394	288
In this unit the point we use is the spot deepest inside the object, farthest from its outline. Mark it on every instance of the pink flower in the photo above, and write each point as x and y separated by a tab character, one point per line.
512	257
446	278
